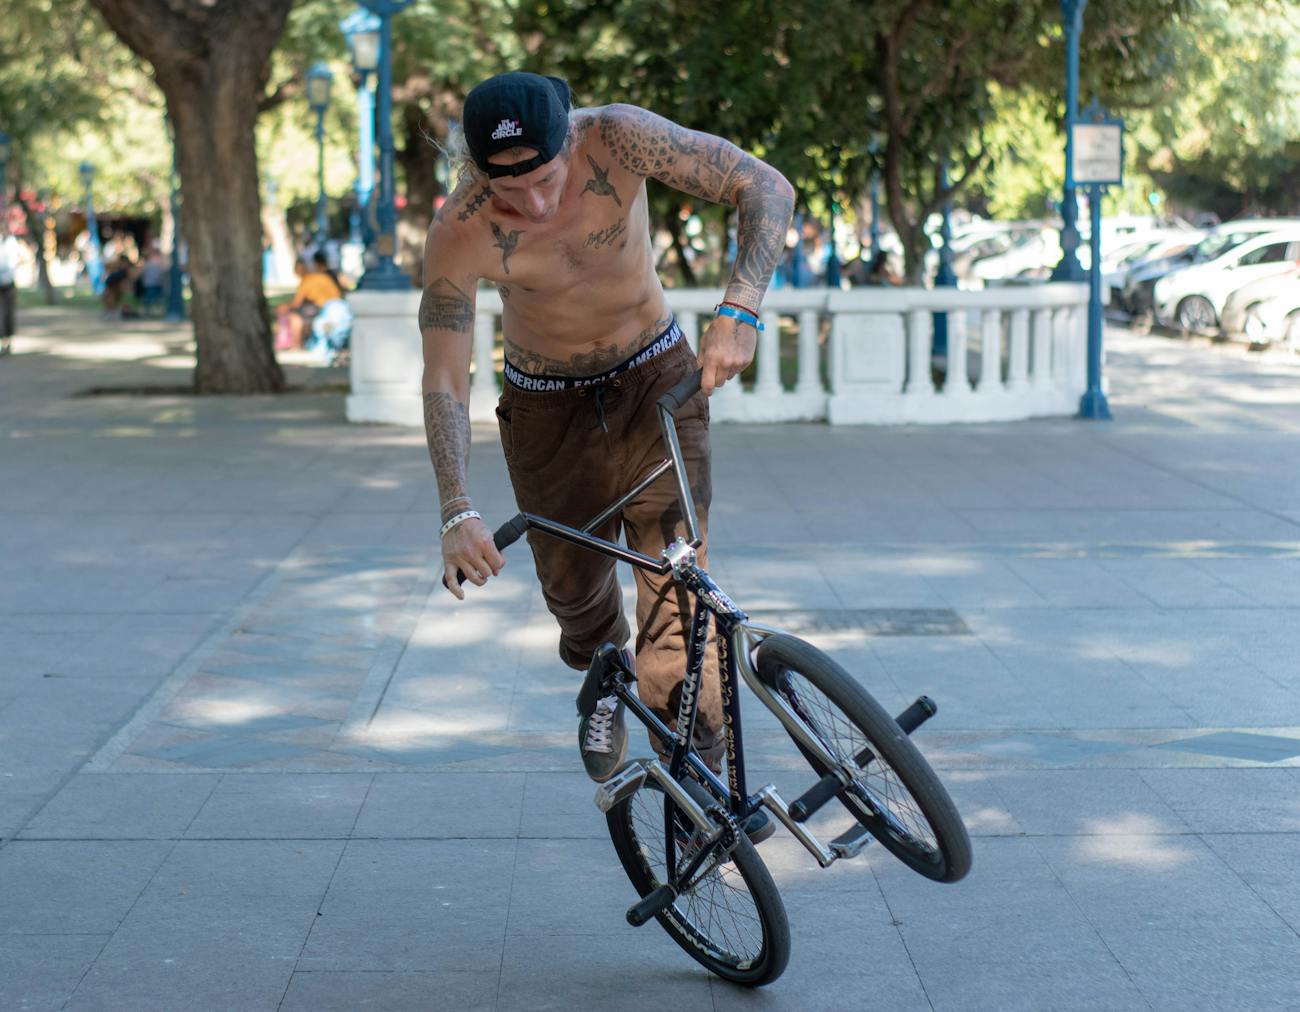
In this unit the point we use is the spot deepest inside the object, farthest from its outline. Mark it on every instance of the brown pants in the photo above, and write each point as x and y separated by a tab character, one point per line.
564	466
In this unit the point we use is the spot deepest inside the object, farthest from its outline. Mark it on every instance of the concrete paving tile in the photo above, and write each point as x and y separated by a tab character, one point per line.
1142	882
1175	583
405	905
1231	800
246	869
1211	967
107	806
41	971
332	991
442	805
541	972
1266	862
162	983
569	885
296	806
1093	802
55	887
561	805
1077	583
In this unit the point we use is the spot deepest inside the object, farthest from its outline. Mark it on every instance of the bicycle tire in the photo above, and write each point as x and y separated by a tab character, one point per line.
897	796
642	857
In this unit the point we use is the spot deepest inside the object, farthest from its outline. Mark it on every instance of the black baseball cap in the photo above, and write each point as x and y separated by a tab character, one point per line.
516	110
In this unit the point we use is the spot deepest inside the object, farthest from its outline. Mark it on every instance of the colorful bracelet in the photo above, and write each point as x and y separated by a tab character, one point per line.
743	315
459	518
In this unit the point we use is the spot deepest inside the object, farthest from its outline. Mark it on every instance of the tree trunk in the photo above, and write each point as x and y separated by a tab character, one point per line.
418	159
210	58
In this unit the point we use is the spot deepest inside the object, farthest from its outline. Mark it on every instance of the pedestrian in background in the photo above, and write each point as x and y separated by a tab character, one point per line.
10	251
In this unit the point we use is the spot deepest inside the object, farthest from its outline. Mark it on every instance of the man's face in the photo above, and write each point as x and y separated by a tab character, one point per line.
534	195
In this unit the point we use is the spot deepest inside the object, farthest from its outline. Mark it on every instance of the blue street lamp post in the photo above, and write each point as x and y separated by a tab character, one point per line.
94	265
175	282
945	276
875	200
1069	269
319	80
1101	164
386	275
361	28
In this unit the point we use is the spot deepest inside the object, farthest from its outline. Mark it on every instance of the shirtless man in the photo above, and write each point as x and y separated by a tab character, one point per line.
551	209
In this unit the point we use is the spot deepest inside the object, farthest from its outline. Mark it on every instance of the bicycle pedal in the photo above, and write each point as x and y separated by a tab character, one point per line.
621	786
851	842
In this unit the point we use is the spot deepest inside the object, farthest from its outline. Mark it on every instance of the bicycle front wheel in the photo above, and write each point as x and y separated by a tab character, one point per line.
731	918
894	793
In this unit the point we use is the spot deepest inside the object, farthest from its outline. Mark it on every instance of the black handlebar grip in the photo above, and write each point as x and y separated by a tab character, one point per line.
506	535
659	900
682	392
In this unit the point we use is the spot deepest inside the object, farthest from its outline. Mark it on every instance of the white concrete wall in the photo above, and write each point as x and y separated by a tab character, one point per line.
1013	352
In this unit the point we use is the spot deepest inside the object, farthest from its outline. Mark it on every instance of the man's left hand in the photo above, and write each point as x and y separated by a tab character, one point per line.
726	349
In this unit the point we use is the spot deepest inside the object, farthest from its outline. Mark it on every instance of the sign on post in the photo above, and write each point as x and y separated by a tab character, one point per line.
1098	153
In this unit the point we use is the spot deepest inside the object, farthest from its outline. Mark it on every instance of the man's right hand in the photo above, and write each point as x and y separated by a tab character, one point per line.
468	547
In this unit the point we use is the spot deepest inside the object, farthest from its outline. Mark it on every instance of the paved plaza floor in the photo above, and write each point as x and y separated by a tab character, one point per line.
252	756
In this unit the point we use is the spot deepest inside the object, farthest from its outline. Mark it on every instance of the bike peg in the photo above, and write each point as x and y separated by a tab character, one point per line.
656	902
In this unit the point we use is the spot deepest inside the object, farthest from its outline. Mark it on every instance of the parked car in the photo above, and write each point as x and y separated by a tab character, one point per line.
1277	319
1245	316
1137	297
1192	298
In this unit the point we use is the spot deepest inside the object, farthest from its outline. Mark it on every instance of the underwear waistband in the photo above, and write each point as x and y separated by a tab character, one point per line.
527	381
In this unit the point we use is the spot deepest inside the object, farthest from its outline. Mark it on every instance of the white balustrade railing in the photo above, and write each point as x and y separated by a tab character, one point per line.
847	357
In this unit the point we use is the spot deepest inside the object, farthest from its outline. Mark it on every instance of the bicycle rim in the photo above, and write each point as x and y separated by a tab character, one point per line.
895	794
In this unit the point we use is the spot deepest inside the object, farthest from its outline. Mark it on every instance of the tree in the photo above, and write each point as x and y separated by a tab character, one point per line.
210	58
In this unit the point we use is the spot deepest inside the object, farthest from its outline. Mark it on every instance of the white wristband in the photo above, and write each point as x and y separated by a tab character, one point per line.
459	518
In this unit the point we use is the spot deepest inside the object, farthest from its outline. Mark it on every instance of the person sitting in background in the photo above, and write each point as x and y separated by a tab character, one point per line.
149	284
878	272
117	284
317	285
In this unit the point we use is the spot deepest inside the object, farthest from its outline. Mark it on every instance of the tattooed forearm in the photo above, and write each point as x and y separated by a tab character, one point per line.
765	202
506	243
588	363
446	426
603	237
599	184
445	307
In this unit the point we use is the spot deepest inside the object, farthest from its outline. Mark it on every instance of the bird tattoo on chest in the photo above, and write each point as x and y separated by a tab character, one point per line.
506	243
600	184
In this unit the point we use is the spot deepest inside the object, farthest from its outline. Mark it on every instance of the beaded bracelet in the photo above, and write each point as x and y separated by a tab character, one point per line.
743	315
459	518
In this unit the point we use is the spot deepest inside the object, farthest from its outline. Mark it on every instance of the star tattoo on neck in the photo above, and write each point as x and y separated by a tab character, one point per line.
600	185
506	243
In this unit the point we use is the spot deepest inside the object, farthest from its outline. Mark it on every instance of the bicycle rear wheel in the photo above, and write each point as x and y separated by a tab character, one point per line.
894	793
731	918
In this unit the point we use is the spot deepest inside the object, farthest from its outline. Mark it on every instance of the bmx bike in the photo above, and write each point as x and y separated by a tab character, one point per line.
679	830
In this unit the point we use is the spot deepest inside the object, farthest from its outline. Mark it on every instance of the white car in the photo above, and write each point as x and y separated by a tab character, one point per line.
1249	310
1192	299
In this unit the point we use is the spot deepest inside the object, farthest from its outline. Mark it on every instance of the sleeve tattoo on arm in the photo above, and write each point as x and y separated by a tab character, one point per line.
718	171
446	427
445	307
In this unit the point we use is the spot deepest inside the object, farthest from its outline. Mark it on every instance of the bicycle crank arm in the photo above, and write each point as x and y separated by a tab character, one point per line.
773	801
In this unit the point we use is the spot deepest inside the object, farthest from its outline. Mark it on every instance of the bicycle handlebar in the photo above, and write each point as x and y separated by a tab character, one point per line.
682	392
506	535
